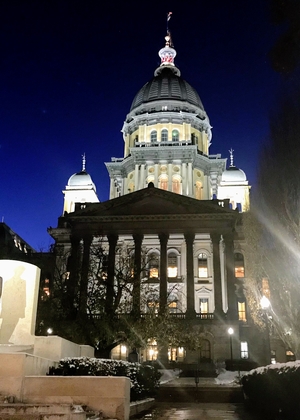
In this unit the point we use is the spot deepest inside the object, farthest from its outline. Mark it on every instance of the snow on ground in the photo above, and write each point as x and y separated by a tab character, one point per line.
224	378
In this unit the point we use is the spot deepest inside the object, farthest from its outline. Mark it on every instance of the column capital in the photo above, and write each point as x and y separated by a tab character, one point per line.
189	237
112	239
215	237
138	238
228	237
163	237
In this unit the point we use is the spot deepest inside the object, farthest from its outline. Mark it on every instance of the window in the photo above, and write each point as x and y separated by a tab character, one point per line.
164	135
205	353
244	350
175	135
173	307
153	136
242	311
266	287
202	265
163	183
203	304
198	193
172	265
152	350
153	266
176	186
239	269
290	357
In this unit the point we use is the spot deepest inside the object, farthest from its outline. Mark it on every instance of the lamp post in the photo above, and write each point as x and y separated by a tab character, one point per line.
265	304
230	332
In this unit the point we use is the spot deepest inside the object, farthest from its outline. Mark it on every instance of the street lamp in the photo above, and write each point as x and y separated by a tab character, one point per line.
265	304
230	332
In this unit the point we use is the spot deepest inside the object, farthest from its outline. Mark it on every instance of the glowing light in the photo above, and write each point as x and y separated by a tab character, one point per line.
264	302
123	349
230	330
50	331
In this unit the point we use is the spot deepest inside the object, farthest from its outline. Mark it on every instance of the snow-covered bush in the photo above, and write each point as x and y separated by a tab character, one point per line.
274	389
144	378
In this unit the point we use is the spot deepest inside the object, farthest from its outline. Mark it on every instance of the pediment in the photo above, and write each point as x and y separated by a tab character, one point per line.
151	201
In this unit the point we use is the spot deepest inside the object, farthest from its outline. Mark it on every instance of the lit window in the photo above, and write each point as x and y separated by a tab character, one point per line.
202	265
176	186
153	136
203	304
152	350
266	287
163	183
164	135
239	269
175	135
173	307
290	357
198	190
153	266
244	350
242	311
172	265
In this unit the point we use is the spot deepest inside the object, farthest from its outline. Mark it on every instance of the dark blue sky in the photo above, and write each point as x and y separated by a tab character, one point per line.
69	72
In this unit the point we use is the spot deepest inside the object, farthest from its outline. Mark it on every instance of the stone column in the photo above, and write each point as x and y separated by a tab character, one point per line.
142	176
170	181
184	180
190	282
136	177
85	274
163	272
156	175
190	182
73	280
136	291
112	240
217	274
232	313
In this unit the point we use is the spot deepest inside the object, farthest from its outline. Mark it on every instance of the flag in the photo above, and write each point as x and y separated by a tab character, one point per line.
169	16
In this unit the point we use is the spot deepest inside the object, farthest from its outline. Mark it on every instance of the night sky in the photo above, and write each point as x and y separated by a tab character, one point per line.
70	70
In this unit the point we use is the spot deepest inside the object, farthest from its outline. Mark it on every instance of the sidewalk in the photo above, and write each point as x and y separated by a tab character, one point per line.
197	411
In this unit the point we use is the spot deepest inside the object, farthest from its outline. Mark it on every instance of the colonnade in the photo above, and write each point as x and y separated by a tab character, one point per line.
163	271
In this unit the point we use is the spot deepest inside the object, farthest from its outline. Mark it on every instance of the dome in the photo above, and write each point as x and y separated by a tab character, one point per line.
81	179
167	84
234	174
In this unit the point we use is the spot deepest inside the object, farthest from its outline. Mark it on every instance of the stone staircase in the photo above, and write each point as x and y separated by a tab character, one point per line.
186	390
20	411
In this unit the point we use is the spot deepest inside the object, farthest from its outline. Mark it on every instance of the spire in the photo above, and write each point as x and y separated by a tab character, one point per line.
83	162
231	157
168	53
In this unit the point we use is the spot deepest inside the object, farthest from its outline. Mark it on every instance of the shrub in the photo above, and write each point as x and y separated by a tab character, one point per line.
144	378
274	389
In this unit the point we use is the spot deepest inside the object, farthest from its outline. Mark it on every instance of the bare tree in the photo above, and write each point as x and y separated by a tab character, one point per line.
273	231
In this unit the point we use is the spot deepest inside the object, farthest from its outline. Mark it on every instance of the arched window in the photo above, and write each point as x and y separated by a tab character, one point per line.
239	269
175	135
202	265
153	136
205	353
172	265
164	135
176	187
163	182
153	264
198	190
